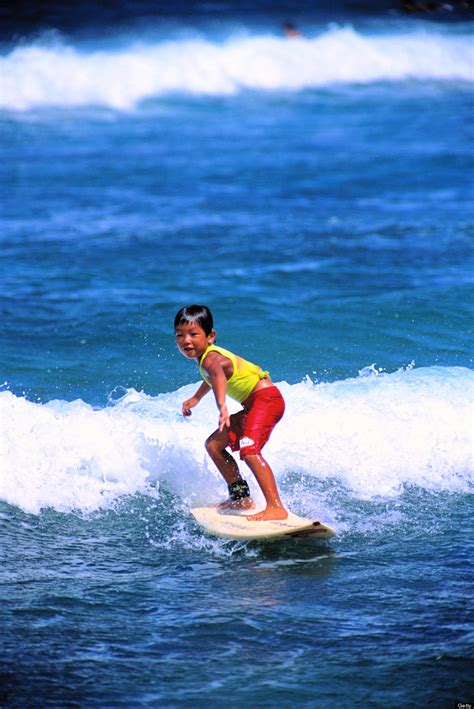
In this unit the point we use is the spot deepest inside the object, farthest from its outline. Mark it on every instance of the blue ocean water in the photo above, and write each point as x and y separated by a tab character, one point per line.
316	193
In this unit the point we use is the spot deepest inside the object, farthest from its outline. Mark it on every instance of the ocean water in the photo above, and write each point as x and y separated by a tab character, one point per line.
316	193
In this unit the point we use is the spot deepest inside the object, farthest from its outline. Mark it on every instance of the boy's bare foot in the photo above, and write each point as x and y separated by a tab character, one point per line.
246	503
269	513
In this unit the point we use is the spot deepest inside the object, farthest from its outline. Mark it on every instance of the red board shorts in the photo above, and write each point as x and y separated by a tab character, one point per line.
250	429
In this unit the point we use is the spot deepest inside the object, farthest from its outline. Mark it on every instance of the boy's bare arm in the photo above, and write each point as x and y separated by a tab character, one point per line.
195	399
218	380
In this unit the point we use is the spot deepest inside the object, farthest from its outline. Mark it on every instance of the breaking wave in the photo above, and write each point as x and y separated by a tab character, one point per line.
374	435
58	74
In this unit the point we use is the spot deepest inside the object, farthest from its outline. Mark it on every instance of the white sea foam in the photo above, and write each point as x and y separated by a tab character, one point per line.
372	435
39	74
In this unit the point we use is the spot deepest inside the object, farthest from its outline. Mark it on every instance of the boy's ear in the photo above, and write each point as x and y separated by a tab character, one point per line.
213	336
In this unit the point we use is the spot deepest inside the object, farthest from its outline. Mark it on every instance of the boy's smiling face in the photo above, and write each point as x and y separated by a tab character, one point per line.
192	341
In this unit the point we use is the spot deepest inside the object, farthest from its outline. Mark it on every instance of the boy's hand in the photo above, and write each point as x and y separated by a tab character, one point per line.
188	405
224	418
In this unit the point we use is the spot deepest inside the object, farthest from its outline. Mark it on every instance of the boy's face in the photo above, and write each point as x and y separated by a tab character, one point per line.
192	341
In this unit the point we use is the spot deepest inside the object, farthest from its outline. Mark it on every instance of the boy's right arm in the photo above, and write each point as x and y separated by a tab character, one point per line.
194	400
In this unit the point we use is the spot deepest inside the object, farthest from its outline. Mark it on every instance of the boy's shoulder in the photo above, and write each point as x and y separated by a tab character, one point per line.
214	353
217	349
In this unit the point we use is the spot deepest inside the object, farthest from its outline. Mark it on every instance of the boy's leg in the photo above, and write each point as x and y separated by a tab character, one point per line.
266	410
265	478
216	444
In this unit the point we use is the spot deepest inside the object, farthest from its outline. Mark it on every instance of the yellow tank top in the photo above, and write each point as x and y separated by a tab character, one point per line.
244	378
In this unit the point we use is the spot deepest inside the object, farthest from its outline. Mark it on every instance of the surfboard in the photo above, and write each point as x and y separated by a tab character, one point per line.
234	525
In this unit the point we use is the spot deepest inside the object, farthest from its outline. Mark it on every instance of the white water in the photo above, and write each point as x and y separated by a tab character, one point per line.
39	74
373	435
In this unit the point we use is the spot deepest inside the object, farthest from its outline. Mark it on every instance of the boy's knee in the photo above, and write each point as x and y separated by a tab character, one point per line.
212	445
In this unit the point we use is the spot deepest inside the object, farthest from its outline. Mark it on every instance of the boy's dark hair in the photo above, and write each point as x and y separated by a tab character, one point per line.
195	313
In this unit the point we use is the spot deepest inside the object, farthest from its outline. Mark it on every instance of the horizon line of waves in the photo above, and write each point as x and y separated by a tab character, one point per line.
38	75
370	436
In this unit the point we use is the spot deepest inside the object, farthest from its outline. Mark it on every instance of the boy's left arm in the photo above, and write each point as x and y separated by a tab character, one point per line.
218	381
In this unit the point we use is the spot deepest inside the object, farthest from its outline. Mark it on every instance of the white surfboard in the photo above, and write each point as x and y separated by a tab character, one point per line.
235	525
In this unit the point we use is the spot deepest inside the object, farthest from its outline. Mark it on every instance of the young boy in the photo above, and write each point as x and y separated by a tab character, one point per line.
249	429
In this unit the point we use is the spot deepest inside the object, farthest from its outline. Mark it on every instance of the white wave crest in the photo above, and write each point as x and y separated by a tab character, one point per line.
38	75
374	435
